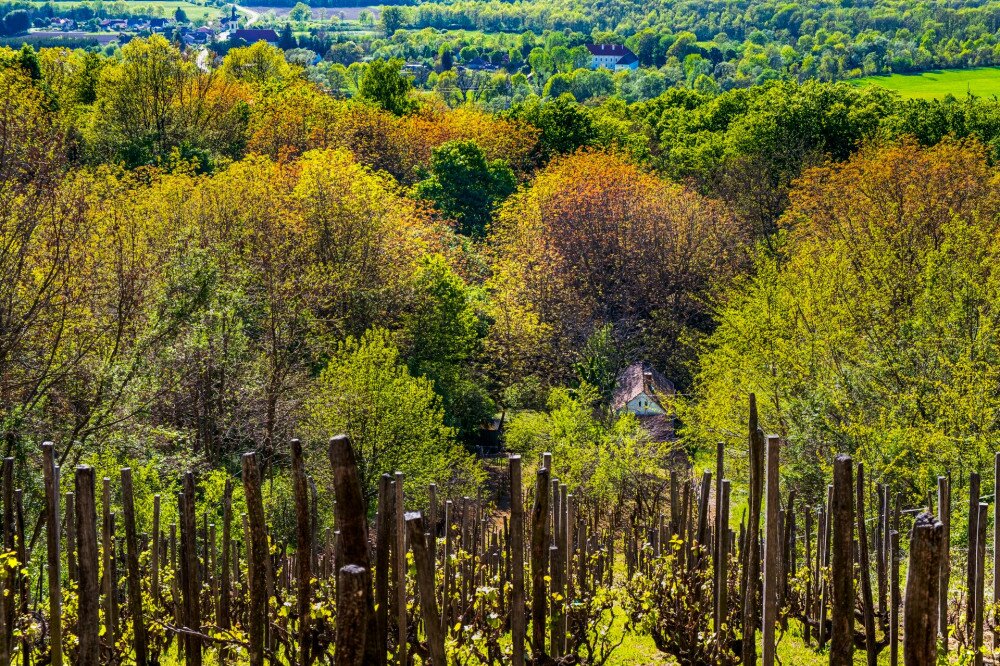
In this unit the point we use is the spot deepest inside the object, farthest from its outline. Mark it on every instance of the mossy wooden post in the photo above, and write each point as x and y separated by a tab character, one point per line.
352	616
88	612
139	639
865	572
842	578
304	547
51	475
190	590
425	588
772	553
258	554
920	608
400	546
517	609
351	517
970	569
751	554
539	562
944	574
383	537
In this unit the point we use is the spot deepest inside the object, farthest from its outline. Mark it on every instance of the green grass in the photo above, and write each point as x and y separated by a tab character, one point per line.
166	7
980	81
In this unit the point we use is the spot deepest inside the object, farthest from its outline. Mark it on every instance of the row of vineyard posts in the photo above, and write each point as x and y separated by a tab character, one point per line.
461	581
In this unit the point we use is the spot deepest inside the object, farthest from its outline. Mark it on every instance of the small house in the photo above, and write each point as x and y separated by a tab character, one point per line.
643	391
615	57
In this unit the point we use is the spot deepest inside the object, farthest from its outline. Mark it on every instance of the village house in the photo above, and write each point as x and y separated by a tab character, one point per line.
612	56
252	36
643	391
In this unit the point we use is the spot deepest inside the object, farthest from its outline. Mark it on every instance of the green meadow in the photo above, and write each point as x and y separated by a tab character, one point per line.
980	81
165	8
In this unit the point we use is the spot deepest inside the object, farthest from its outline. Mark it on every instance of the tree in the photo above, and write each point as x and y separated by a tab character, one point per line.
286	40
446	58
180	15
384	83
465	186
884	295
596	240
442	342
16	22
392	20
565	125
300	12
258	63
394	420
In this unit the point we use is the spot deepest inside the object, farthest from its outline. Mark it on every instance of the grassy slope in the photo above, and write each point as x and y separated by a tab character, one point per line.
168	7
981	81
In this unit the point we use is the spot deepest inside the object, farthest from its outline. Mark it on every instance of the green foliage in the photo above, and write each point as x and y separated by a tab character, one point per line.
392	19
442	334
465	186
385	85
394	420
300	12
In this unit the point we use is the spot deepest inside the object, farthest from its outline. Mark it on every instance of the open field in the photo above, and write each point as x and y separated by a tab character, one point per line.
349	13
980	81
164	8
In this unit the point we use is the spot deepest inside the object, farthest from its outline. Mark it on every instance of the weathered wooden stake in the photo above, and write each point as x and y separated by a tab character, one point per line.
842	583
88	614
772	552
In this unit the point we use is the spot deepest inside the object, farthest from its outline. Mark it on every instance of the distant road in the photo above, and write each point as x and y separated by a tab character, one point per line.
252	15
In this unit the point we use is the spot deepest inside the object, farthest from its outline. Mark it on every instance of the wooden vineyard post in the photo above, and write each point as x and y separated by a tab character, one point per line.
865	572
89	615
807	606
772	552
720	529
842	583
225	587
980	604
996	544
352	616
425	588
350	515
132	564
539	562
944	516
920	608
970	570
751	555
400	546
383	531
51	475
258	554
822	564
191	616
894	598
517	609
108	579
304	546
722	561
154	555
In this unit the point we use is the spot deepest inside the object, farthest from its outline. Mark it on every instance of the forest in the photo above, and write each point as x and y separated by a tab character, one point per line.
202	264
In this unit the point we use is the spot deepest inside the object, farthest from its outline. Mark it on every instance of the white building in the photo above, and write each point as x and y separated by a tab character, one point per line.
612	56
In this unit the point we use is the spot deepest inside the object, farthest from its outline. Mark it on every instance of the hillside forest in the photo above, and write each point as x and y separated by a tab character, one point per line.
202	261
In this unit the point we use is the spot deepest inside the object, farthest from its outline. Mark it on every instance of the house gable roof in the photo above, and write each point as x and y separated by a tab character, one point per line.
617	50
632	382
